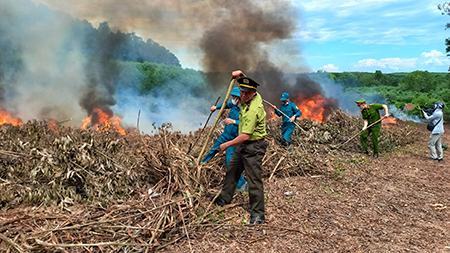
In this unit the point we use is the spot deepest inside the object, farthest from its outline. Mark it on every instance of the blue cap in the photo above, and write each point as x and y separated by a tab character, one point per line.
284	96
235	92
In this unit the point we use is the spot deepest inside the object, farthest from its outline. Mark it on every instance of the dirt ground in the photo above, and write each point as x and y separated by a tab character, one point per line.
399	202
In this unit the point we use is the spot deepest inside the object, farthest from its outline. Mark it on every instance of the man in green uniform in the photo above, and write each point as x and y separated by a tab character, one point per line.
370	114
250	150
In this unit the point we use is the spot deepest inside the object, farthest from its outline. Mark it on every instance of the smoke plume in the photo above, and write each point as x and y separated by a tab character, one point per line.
230	34
47	72
52	73
46	77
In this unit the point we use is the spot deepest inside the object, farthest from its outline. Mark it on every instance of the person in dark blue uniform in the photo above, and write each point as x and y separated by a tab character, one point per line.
291	110
229	133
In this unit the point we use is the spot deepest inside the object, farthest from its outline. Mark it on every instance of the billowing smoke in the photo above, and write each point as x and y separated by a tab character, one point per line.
46	77
230	34
101	72
47	73
239	40
54	74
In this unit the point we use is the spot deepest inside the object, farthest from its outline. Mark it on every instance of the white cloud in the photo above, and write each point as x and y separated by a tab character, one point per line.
330	68
424	61
387	63
435	57
342	7
381	22
433	54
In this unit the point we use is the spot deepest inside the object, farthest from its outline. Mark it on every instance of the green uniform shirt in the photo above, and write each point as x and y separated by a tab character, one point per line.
372	114
253	119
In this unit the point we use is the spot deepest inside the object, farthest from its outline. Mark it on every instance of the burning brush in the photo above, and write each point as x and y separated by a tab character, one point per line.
315	108
103	120
7	118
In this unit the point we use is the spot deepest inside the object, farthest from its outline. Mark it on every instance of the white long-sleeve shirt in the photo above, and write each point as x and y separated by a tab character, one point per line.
435	117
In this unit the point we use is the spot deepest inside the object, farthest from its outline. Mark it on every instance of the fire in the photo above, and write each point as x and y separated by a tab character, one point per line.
52	124
7	118
389	121
313	108
102	120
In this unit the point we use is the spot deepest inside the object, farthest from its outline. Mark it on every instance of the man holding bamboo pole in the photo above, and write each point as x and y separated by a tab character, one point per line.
229	133
289	113
250	150
371	115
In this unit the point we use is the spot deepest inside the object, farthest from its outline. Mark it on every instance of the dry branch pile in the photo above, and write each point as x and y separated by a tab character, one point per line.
314	150
68	188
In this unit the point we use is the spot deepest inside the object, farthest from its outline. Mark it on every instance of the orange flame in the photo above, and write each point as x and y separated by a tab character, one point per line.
7	118
313	108
101	120
389	121
52	124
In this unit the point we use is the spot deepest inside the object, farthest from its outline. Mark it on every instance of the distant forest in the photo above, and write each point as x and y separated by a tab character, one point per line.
420	88
101	42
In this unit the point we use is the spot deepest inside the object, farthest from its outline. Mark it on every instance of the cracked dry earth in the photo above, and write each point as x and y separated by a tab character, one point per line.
399	202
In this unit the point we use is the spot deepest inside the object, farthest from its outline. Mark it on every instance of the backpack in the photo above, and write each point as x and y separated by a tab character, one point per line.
431	126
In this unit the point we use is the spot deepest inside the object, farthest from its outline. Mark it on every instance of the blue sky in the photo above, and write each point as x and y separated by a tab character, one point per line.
367	35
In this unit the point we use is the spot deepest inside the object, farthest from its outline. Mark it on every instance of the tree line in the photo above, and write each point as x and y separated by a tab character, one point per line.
419	88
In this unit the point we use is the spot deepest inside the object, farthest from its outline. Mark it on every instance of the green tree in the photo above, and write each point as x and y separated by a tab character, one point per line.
421	81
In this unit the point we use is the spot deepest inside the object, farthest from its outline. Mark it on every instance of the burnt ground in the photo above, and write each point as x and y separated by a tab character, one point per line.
399	202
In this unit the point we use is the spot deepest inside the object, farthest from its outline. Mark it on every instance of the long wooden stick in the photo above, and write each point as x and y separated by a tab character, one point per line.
356	135
78	226
63	121
99	244
227	96
138	119
296	124
192	145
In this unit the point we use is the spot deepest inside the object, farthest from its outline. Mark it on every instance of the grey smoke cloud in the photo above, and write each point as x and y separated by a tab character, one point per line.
55	78
187	25
50	77
229	35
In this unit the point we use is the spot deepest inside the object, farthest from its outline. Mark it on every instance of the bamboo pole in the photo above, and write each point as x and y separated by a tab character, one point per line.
356	135
138	119
296	124
64	121
192	145
227	96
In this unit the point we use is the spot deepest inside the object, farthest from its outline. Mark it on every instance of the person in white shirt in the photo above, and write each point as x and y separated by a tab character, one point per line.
435	141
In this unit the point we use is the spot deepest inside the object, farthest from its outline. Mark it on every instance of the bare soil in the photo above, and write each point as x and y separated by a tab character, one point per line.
399	202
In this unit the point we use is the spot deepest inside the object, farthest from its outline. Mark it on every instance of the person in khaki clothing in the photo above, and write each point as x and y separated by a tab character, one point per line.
250	150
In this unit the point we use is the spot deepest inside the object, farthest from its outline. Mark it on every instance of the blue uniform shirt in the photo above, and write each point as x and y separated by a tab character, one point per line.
231	129
290	109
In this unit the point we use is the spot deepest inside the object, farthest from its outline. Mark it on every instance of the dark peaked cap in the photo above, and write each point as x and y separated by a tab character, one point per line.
247	84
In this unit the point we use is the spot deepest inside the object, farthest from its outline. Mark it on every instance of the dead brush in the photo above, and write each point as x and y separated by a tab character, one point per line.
81	190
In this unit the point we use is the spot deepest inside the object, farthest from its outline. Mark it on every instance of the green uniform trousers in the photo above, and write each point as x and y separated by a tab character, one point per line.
374	133
248	156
